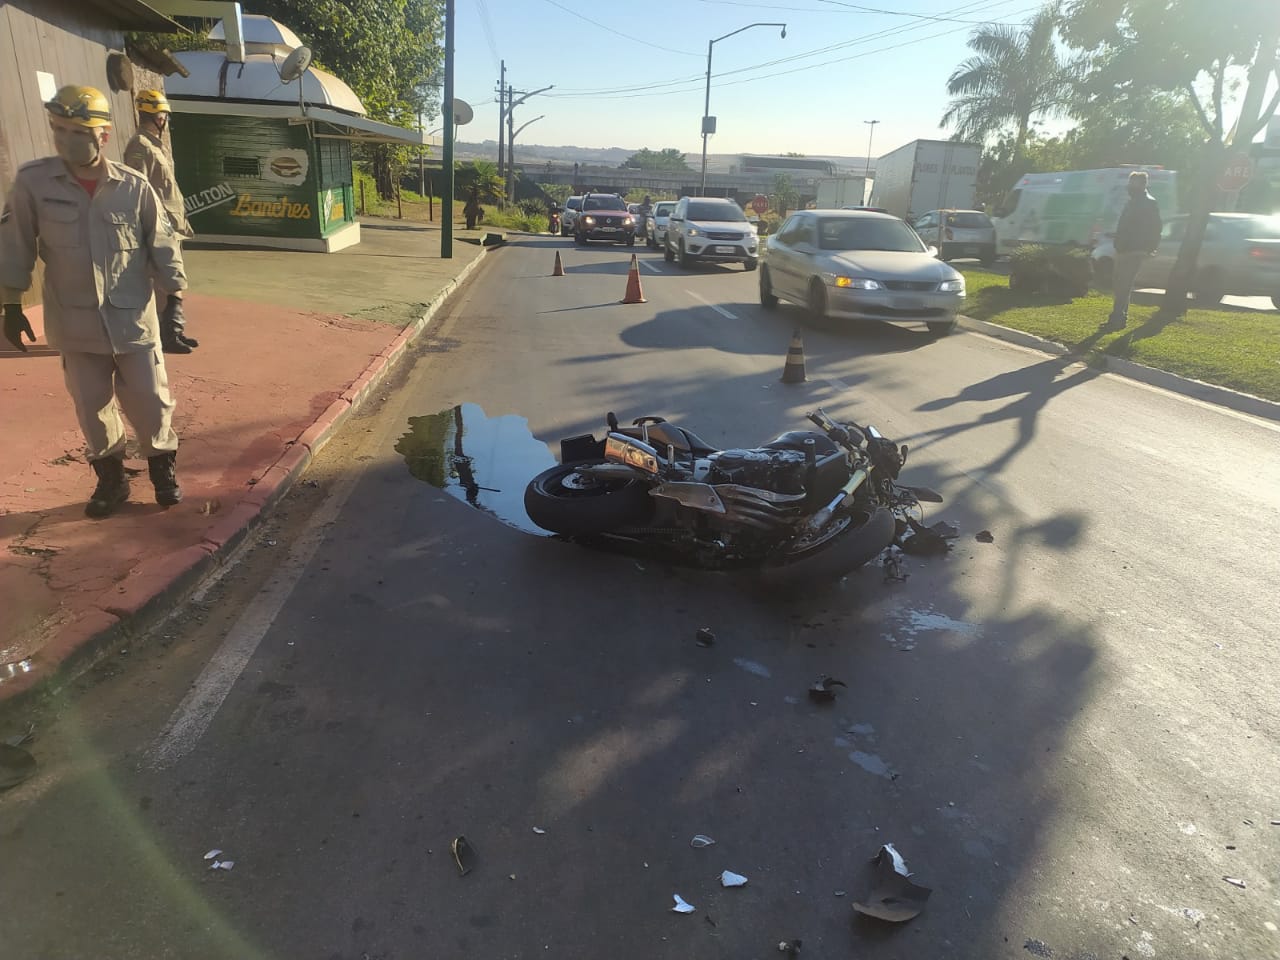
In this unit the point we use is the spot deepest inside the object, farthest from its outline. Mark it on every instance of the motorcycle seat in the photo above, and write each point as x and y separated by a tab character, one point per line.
685	441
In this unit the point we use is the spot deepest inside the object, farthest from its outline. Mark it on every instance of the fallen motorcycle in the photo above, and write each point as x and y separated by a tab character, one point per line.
808	504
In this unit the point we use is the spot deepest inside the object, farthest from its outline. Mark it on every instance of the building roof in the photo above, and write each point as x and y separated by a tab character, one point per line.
137	15
213	77
261	35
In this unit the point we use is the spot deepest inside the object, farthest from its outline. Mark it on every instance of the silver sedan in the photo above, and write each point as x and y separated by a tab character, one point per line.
856	264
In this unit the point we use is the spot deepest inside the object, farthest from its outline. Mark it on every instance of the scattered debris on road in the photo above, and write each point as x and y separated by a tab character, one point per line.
894	897
891	563
682	905
924	541
222	865
731	879
16	765
705	637
1235	882
789	947
539	831
700	841
822	690
1038	948
464	855
212	853
985	536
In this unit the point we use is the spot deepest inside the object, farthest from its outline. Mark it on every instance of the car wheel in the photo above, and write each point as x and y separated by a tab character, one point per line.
817	299
750	263
1275	301
683	257
667	253
940	328
1208	288
651	243
768	299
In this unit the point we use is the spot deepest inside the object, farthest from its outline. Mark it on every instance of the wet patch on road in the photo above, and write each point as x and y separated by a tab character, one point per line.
484	461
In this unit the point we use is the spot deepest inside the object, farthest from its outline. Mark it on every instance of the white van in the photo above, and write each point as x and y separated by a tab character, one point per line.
1074	207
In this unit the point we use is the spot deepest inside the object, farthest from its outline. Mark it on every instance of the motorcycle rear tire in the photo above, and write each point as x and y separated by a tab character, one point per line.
585	510
833	558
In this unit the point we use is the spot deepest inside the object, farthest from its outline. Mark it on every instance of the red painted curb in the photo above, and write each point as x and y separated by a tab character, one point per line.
161	581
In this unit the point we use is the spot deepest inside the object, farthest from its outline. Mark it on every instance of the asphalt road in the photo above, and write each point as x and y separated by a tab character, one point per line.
1069	733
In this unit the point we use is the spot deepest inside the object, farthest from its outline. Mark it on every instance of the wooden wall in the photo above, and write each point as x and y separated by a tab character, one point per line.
70	40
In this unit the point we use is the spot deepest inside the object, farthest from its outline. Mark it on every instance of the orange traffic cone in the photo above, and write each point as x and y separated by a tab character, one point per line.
793	370
559	270
634	295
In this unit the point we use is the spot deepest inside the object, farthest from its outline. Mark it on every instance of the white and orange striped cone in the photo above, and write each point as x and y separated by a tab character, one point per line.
559	269
634	294
793	370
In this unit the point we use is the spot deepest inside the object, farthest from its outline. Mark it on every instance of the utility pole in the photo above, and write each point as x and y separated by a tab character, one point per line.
446	188
502	113
509	184
871	124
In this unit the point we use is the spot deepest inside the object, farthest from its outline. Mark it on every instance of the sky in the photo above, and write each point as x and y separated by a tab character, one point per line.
632	74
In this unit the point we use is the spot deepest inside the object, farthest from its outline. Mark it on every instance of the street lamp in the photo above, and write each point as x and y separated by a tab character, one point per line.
870	133
511	152
511	134
708	122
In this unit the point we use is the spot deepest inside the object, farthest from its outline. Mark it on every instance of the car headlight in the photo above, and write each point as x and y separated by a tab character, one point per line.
858	283
588	220
693	231
952	286
628	222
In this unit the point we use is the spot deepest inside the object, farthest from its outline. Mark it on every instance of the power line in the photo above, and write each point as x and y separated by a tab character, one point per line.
609	92
850	8
781	73
625	36
487	24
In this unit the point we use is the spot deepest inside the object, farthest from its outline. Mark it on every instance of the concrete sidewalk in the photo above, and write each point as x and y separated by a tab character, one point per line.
289	343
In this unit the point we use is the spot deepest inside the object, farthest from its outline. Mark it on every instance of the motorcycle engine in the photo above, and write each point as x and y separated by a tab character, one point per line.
781	471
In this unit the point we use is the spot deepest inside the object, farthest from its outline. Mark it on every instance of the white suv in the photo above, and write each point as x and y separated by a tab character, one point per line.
569	217
710	228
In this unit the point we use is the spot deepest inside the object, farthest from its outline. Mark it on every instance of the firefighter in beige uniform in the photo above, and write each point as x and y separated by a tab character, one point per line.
102	235
145	153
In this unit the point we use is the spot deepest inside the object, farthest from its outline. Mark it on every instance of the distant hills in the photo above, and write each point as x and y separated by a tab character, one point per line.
532	153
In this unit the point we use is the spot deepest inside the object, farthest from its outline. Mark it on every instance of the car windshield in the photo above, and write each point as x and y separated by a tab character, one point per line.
574	203
603	203
870	233
724	212
968	221
663	209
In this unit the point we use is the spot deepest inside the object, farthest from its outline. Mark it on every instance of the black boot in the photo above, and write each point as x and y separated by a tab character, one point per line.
164	479
112	489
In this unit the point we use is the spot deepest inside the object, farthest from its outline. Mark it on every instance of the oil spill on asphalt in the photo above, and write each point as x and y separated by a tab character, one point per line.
484	461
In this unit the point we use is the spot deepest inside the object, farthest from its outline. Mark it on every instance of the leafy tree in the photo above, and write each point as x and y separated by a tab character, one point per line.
669	159
485	176
784	193
1015	76
1198	49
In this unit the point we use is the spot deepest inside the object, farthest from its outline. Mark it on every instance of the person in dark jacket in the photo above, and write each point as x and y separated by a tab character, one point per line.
1137	236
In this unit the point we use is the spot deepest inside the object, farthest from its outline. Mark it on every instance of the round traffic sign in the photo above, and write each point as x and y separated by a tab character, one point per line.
760	204
1237	172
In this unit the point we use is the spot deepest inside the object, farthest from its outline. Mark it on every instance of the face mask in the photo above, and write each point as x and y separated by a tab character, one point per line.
76	149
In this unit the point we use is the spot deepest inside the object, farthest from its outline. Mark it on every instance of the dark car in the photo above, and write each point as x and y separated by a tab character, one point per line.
604	216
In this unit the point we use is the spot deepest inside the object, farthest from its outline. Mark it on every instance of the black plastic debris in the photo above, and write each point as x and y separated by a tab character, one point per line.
985	536
789	947
894	897
16	765
705	637
947	531
822	690
891	561
925	541
464	855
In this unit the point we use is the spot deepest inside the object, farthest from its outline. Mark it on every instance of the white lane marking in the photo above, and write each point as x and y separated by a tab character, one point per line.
836	384
714	306
646	263
196	711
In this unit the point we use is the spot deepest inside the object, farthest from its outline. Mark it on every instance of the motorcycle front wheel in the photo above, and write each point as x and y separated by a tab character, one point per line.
844	546
574	504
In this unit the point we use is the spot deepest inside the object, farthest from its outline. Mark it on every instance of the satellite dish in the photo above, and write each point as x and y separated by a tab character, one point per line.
295	64
462	113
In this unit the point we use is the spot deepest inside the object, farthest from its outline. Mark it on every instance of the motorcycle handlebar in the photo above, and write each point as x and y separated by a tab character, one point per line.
835	431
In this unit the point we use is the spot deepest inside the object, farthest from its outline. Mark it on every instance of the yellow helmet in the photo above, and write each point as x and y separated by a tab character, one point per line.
85	106
153	101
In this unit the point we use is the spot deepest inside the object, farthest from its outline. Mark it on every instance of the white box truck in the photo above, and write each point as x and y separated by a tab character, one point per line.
927	175
837	192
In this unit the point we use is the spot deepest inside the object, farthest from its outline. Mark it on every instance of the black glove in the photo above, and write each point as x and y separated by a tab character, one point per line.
172	337
16	324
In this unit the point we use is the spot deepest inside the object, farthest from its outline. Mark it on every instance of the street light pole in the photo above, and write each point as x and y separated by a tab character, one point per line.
706	107
511	151
871	133
446	188
508	182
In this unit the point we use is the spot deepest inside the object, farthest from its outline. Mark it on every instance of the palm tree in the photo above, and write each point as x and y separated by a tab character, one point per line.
1015	76
487	180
